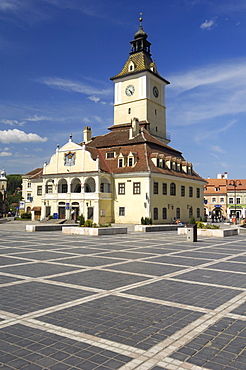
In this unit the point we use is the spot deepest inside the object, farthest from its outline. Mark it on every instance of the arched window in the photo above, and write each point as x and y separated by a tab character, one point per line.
155	213
105	186
76	186
90	185
190	212
164	213
198	213
172	189
62	186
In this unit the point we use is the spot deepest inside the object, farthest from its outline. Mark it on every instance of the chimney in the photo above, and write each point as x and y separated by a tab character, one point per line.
87	134
134	130
225	175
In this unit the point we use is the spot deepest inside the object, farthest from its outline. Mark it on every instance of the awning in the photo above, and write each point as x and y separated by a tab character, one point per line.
36	209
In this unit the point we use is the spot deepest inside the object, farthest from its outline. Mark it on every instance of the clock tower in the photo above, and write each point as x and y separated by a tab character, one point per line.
140	90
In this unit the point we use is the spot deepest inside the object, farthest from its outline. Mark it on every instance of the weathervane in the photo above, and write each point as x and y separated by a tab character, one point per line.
141	18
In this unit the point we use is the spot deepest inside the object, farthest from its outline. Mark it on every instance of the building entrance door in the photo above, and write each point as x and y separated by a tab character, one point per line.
61	212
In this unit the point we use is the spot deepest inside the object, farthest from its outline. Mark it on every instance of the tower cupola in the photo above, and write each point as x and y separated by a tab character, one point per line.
140	42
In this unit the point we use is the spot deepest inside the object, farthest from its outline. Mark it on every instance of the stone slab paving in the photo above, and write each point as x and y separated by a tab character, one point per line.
123	302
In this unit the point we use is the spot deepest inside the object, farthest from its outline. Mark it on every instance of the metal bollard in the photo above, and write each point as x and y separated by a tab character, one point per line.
192	233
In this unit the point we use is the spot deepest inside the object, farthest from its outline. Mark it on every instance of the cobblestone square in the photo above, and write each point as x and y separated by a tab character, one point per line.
135	301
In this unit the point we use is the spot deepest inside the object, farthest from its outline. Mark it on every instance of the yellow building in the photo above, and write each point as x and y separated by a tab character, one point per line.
128	173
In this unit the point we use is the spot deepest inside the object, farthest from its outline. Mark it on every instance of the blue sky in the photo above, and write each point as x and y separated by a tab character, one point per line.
57	57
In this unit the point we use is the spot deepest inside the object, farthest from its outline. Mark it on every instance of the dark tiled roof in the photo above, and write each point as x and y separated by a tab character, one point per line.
35	173
142	62
143	145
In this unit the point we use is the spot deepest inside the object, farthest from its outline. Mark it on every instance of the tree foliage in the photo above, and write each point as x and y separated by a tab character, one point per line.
14	182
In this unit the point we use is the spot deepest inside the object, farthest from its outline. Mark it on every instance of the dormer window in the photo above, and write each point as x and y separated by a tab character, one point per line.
122	160
110	155
131	66
130	161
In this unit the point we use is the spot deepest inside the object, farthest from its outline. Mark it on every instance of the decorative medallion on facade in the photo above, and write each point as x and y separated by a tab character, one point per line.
69	159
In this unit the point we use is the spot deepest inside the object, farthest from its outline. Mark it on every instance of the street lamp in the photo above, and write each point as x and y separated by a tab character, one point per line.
235	183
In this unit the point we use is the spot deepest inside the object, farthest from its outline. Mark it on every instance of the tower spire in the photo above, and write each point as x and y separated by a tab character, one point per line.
140	42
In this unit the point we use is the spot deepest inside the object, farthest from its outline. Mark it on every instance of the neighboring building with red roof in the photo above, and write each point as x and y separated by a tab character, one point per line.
131	171
225	197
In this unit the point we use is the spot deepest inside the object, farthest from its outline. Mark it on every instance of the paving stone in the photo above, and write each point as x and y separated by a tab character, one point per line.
100	279
125	326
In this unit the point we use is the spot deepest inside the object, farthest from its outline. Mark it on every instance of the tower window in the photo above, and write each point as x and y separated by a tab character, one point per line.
129	110
156	129
155	112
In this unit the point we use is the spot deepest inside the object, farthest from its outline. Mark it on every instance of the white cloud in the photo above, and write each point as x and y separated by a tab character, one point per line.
8	5
17	136
37	118
208	24
73	86
208	92
217	148
5	154
12	122
94	98
86	120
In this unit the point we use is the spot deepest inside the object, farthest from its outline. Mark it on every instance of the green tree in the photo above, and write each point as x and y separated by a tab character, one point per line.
14	182
13	197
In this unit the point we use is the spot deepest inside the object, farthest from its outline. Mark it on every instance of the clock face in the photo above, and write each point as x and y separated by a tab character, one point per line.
130	90
155	92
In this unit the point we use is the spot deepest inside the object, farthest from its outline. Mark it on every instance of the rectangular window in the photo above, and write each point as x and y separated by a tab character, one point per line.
120	162
136	188
198	192
230	200
39	190
49	189
222	200
238	200
110	155
29	196
164	213
121	211
164	188
213	200
121	188
182	191
190	191
29	184
130	162
155	187
64	188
